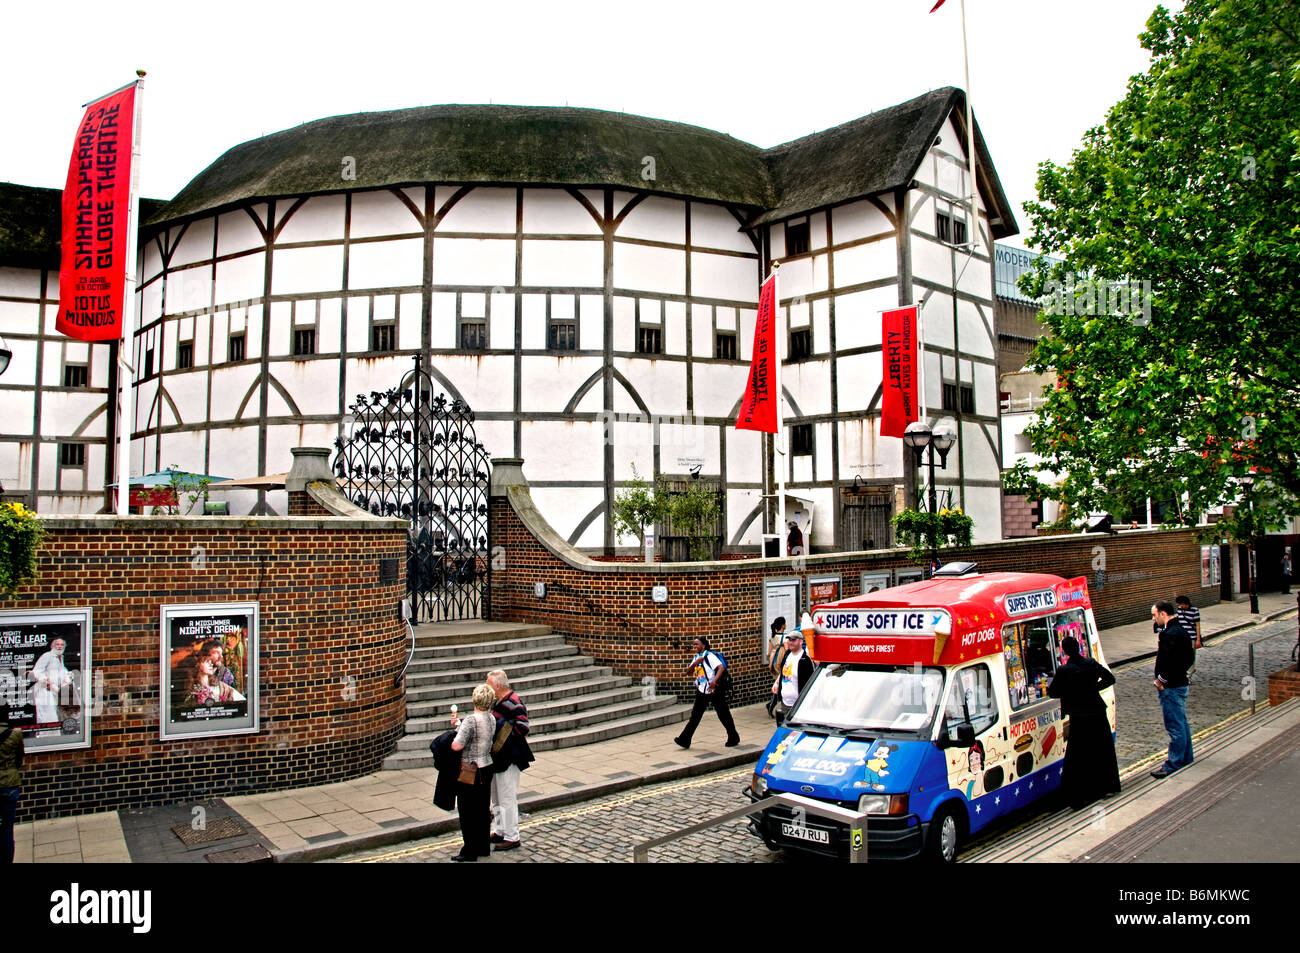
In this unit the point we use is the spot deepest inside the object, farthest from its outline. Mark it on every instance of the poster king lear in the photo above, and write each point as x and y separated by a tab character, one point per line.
96	219
758	406
898	351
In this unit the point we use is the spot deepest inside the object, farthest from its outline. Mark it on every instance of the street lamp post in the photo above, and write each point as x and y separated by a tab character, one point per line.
1248	483
921	438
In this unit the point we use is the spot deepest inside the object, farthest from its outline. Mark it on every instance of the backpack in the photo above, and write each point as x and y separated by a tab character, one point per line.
724	680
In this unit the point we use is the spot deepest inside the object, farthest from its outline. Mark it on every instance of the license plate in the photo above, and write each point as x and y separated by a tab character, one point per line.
811	834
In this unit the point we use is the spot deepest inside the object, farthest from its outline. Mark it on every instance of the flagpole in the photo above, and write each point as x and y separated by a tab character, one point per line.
126	371
779	445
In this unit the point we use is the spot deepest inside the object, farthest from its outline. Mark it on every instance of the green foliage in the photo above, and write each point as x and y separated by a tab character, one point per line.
1023	480
637	506
20	538
926	532
694	513
1192	184
189	489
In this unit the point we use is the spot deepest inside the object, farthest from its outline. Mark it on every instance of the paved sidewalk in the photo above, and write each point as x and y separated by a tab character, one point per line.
394	806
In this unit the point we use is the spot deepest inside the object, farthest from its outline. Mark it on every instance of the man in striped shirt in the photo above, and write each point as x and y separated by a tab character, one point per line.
505	784
1189	617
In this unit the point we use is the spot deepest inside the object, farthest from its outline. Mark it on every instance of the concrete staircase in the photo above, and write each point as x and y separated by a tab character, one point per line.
571	701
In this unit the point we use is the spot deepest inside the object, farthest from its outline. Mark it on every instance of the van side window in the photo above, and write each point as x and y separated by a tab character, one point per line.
1075	623
971	700
1031	654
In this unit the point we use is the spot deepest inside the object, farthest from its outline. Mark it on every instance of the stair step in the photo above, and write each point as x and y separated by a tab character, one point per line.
432	674
418	690
553	724
488	661
418	723
418	756
462	633
494	647
431	701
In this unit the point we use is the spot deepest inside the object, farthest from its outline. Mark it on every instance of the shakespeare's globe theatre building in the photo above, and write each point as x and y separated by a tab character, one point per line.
587	283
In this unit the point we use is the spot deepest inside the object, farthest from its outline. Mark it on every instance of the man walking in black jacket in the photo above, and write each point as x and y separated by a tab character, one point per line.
1173	658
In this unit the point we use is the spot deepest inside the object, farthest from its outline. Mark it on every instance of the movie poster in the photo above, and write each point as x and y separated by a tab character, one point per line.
45	683
209	670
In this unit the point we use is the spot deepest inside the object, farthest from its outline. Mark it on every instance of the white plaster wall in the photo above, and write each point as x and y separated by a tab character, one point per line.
195	245
484	380
936	319
482	210
474	261
744	456
240	279
860	220
646	268
675	328
189	391
562	449
319	219
624	324
712	226
19	283
563	263
976	336
984	506
237	232
329	324
556	212
534	322
859	375
862	263
380	213
740	506
718	388
311	384
501	322
857	317
725	277
443	320
378	265
657	219
661	384
591	322
809	382
549	383
565	508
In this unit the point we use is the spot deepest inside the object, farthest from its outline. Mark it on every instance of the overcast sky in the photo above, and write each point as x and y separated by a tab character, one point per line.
1042	71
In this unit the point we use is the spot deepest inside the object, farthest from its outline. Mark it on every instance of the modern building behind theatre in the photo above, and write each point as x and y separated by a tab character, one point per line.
586	281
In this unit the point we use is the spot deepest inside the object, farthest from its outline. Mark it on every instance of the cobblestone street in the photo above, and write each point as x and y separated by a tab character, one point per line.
1219	688
605	830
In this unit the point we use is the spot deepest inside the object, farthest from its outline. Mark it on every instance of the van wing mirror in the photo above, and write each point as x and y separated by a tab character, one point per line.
958	736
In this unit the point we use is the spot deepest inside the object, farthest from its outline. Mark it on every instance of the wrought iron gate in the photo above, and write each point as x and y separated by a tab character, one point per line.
411	453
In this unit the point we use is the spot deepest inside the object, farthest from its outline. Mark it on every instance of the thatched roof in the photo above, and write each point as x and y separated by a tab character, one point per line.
31	222
526	145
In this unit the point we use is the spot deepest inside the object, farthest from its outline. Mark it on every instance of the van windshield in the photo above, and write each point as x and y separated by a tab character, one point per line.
897	699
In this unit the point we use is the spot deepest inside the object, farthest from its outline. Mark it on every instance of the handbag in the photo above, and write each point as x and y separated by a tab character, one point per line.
468	769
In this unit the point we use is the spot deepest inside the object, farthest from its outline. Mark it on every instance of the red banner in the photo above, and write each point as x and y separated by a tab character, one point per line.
898	340
96	203
758	407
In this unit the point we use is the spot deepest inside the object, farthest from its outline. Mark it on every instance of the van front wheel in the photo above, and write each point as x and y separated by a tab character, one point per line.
945	834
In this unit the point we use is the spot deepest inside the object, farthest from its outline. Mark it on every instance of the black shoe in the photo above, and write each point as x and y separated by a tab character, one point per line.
732	742
1161	772
496	838
463	858
680	743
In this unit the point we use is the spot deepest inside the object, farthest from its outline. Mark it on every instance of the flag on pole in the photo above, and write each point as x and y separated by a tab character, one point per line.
96	221
898	403
758	409
937	6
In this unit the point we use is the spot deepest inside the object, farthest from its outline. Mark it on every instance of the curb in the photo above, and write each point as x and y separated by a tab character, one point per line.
1226	630
539	802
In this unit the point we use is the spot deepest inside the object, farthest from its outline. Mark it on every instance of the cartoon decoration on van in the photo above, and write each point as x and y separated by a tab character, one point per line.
878	766
975	761
779	752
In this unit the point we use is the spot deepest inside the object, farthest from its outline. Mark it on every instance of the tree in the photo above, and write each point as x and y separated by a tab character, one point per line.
1189	193
637	506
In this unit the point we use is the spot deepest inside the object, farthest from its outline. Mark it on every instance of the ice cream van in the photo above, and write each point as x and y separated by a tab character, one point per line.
928	711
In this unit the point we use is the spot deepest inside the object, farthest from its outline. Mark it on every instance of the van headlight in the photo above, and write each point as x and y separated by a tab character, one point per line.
759	785
883	804
873	804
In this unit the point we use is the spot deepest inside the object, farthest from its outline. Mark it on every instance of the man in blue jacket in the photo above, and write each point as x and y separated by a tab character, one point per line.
1173	659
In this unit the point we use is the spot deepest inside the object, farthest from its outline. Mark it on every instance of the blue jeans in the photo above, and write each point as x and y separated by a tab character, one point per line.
1173	705
8	811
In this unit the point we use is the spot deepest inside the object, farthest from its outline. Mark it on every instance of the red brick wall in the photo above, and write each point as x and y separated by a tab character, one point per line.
324	619
1283	685
605	608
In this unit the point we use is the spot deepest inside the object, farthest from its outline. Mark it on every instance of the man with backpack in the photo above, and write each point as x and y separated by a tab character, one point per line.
712	685
11	779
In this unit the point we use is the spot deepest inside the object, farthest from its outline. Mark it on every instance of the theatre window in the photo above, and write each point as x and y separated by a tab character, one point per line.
796	238
473	335
304	341
236	352
184	355
724	346
75	375
72	455
800	344
383	337
562	336
801	439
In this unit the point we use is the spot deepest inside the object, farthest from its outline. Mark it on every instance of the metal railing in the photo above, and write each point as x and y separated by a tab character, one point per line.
855	820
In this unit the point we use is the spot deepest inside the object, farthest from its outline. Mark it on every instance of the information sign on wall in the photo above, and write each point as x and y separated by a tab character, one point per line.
209	670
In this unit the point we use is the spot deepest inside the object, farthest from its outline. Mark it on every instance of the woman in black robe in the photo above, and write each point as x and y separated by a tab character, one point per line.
1090	770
